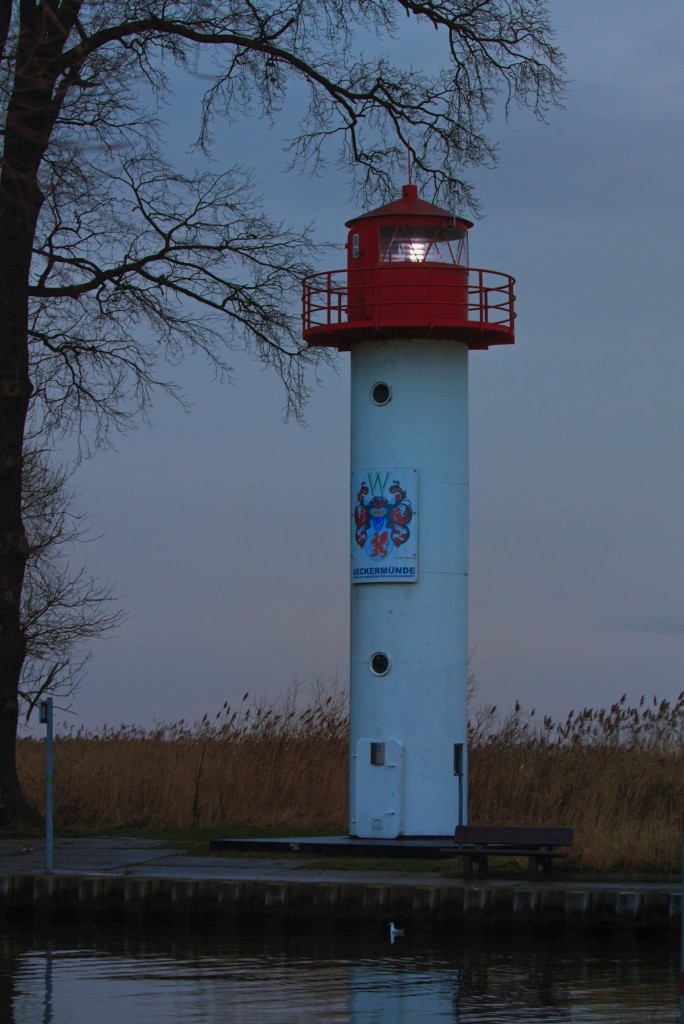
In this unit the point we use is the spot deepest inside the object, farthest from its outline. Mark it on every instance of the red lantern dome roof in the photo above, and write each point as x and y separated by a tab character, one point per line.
408	207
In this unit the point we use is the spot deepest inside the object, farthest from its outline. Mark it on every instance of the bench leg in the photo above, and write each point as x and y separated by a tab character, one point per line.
482	866
539	865
469	859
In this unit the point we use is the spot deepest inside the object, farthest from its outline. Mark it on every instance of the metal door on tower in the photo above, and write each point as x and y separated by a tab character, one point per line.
378	771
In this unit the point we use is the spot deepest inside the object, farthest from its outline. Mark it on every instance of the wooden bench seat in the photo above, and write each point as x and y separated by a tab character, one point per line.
477	843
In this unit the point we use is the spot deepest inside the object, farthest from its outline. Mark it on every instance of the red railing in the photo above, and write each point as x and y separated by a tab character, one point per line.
476	297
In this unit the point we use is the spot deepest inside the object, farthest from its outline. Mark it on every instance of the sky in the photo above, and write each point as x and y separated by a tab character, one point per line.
225	530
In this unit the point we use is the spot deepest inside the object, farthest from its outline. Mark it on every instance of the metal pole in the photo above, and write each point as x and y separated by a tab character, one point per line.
681	948
460	799
46	719
459	770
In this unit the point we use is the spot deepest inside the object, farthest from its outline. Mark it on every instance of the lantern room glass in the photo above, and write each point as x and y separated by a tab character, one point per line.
423	244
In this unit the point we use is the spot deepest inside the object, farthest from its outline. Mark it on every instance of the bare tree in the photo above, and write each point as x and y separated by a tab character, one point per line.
63	606
112	260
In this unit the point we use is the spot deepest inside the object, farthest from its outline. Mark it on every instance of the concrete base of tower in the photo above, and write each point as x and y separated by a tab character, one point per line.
396	793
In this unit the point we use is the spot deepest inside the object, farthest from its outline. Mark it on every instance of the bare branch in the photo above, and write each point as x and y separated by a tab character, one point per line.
63	607
115	264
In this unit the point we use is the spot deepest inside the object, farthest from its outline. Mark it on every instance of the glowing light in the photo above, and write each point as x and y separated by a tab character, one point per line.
415	250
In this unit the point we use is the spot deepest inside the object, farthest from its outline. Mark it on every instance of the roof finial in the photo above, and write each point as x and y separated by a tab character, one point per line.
408	156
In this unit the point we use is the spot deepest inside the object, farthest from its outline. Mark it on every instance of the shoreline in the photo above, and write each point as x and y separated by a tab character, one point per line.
146	881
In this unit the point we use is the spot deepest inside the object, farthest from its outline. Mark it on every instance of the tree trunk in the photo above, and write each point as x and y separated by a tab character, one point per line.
14	396
27	130
15	390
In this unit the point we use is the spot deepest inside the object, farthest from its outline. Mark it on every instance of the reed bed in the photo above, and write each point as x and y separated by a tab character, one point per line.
615	775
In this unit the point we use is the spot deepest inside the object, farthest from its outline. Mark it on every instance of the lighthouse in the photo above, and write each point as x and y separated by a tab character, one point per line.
409	309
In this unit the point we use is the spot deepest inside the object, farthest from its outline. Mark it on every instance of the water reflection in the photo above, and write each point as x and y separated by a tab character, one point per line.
65	976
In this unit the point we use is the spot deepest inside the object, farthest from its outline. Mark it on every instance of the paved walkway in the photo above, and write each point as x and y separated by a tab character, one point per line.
145	878
153	858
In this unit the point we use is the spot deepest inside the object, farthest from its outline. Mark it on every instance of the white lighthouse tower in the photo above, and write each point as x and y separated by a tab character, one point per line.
409	309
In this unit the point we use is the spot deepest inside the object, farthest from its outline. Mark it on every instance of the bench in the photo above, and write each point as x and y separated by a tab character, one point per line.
476	843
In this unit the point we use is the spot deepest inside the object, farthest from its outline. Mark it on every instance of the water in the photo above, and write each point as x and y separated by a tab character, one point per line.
117	976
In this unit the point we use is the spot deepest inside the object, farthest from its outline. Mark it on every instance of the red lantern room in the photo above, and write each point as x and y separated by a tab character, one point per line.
407	274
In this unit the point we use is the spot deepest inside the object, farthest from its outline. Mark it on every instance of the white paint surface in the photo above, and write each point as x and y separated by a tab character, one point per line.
420	704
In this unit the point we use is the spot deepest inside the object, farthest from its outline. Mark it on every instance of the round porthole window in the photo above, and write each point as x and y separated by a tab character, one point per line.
381	393
379	664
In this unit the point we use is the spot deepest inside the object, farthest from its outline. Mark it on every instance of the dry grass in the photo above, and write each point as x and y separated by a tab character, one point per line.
616	776
276	766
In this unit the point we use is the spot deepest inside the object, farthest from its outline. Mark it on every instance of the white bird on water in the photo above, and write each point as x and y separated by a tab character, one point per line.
395	932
